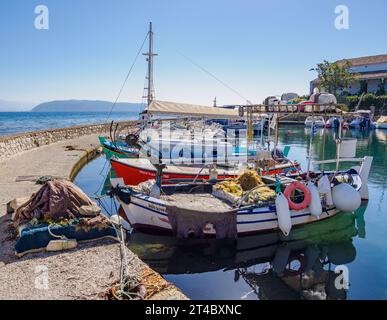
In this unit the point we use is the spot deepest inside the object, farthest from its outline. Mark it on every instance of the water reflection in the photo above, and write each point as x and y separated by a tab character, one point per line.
369	142
302	268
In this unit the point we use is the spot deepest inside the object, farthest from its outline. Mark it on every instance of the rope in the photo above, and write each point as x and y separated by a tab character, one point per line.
213	76
210	74
62	237
126	78
104	176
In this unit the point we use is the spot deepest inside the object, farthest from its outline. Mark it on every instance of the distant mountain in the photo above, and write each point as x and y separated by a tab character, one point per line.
14	106
87	106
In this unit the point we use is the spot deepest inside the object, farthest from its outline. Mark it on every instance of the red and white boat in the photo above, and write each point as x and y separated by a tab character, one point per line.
135	171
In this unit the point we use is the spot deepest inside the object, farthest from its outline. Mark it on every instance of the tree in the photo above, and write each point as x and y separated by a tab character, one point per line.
334	76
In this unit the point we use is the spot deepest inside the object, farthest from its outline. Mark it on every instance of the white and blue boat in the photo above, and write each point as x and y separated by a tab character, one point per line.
149	213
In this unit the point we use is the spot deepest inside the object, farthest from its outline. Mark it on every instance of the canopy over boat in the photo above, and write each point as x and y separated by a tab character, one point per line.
157	107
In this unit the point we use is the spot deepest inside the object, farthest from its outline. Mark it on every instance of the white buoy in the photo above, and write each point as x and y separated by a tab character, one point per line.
345	197
364	172
315	207
283	214
324	187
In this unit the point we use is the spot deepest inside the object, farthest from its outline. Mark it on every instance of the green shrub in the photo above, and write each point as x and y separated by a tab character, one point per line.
368	100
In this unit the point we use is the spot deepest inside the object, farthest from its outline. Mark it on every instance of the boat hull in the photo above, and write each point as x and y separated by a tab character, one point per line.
135	174
110	150
317	124
109	153
149	215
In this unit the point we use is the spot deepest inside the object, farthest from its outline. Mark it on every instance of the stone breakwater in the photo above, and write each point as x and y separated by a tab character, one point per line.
12	145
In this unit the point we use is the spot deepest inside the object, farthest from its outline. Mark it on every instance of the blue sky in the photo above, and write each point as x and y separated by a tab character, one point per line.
258	47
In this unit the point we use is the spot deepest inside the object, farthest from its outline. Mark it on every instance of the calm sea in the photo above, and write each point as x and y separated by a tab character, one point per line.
17	122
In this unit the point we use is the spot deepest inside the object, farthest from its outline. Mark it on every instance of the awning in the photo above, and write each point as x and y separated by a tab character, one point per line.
189	110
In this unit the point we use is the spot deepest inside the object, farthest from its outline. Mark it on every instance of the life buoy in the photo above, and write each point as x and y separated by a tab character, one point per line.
289	272
301	187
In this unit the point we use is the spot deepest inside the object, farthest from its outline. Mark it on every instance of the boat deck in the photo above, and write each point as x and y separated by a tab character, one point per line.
197	201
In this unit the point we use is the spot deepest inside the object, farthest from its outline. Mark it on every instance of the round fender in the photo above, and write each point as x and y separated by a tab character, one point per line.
301	187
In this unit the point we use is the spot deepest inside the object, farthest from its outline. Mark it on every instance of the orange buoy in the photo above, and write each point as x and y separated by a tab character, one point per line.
301	187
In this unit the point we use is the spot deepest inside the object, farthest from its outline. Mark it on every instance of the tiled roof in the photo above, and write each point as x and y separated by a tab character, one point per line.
382	58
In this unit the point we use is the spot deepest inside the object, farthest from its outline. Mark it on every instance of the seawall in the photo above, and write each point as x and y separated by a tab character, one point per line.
15	144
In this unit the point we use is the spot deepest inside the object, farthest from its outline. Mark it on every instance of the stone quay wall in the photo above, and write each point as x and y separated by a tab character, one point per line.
14	144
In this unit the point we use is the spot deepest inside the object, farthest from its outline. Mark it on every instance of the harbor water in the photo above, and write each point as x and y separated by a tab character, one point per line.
267	267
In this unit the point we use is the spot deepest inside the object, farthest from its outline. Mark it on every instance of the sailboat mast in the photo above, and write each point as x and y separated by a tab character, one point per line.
150	56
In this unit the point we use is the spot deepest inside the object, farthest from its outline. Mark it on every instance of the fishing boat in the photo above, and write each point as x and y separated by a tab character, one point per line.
333	122
362	120
151	214
343	190
186	153
317	120
117	149
135	171
381	123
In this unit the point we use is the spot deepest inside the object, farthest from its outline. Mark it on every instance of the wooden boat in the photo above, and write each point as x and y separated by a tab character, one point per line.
363	119
150	214
118	150
135	171
333	122
318	121
381	123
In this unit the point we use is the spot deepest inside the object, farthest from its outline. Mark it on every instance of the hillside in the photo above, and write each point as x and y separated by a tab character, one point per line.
86	106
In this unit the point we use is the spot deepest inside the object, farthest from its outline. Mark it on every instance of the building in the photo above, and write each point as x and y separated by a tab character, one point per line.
371	74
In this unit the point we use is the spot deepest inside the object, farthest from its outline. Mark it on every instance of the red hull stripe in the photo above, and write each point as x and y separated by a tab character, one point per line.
133	175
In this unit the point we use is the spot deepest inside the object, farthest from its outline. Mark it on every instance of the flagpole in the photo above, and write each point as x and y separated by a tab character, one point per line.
338	144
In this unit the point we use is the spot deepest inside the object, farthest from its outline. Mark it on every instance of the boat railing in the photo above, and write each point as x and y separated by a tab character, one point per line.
330	109
341	160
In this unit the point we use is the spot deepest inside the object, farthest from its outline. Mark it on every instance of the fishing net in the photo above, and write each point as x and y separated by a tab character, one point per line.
233	190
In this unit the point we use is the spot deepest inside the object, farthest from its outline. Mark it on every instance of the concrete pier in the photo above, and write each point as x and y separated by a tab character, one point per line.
82	273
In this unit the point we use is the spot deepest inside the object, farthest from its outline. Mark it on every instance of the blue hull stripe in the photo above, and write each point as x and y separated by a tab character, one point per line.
268	220
239	222
240	213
